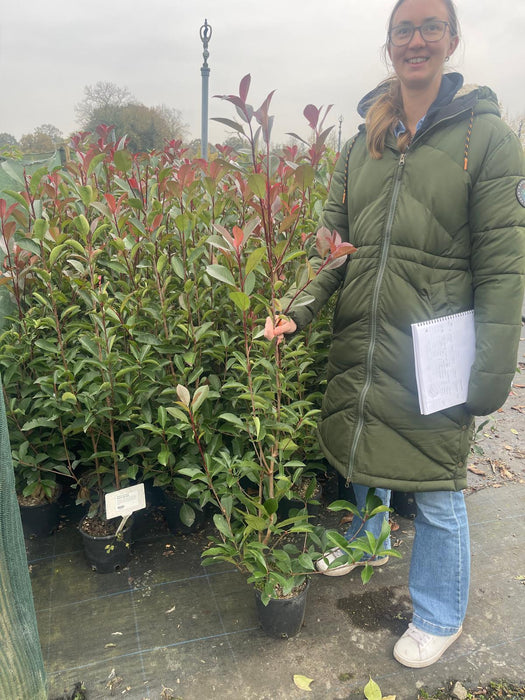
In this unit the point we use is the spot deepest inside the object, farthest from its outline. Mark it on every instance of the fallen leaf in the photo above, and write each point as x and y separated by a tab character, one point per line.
389	697
507	447
346	519
170	610
518	408
372	691
514	431
116	634
477	471
303	682
108	646
393	525
519	386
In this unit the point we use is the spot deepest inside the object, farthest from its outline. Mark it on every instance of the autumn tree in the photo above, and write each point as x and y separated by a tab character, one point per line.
7	141
146	128
43	139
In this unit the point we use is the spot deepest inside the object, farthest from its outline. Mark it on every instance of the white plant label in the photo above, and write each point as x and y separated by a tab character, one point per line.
125	501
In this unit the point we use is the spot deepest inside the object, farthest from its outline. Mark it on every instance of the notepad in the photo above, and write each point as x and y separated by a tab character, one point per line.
444	351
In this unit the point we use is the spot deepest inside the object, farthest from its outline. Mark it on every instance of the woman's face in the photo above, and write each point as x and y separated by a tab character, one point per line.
419	64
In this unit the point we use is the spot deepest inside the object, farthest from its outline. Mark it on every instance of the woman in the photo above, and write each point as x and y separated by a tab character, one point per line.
431	191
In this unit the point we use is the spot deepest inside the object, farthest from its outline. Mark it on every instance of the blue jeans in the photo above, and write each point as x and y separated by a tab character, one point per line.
440	566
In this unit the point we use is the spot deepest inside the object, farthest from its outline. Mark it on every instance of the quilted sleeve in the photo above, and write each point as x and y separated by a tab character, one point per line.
497	224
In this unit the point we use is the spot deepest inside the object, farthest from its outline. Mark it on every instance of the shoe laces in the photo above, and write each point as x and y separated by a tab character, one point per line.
419	636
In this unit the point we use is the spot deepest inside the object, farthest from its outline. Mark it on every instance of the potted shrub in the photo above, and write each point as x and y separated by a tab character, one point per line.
257	462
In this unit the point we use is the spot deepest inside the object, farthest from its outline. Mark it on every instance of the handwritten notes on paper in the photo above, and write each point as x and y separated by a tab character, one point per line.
444	350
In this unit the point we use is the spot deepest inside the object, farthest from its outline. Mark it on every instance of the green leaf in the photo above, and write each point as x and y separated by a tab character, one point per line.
178	414
372	691
241	300
40	228
254	259
255	522
187	515
39	423
55	253
221	273
305	560
304	176
29	245
86	194
199	397
227	504
232	418
221	525
164	457
95	161
9	170
122	160
229	123
82	225
271	505
257	184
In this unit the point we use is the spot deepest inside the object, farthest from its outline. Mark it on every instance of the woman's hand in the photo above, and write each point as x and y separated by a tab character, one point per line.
277	330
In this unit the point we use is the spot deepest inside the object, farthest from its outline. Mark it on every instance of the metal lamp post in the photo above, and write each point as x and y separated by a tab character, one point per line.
339	136
205	34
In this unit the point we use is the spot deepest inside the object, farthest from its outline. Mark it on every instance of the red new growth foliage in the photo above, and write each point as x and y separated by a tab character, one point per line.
5	211
238	237
110	199
244	87
332	244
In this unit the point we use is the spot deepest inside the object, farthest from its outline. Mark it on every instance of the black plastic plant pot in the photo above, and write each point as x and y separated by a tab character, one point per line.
282	617
172	512
404	504
41	520
108	553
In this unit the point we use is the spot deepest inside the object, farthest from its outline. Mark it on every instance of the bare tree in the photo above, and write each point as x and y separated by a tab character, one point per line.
101	96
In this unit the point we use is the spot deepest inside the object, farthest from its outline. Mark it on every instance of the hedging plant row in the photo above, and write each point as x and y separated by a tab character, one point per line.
138	287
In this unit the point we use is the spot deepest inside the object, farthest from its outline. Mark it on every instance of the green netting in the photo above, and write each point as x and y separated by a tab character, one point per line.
21	667
12	170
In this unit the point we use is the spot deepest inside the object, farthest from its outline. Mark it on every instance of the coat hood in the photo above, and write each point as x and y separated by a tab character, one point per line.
452	97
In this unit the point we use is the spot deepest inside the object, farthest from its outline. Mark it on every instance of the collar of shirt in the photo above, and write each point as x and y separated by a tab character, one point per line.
400	128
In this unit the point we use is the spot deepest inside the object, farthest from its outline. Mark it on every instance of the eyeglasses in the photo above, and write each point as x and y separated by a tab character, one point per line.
433	30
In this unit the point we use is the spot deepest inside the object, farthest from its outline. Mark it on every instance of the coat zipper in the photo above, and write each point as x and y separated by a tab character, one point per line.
373	317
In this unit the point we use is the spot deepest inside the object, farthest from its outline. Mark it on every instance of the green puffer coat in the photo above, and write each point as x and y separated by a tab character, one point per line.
432	238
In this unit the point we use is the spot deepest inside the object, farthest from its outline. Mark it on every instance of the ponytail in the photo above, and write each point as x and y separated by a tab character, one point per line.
382	118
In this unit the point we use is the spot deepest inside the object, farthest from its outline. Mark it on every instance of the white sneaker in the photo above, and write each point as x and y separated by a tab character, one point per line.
418	649
322	565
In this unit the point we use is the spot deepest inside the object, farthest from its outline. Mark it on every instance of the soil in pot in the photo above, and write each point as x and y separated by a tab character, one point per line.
173	508
105	551
39	518
283	617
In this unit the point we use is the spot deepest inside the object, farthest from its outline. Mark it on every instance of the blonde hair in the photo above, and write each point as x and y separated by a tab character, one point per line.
386	112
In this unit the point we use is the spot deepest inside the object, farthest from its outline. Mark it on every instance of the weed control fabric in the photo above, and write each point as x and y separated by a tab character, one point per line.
21	666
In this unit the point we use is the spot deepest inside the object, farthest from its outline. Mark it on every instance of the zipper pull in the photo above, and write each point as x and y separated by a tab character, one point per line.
400	166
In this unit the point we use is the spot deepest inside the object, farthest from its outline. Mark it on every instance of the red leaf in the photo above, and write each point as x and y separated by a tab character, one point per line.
312	115
110	199
244	87
238	237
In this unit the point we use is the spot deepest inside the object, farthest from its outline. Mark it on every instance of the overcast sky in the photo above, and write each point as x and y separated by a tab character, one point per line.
323	52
